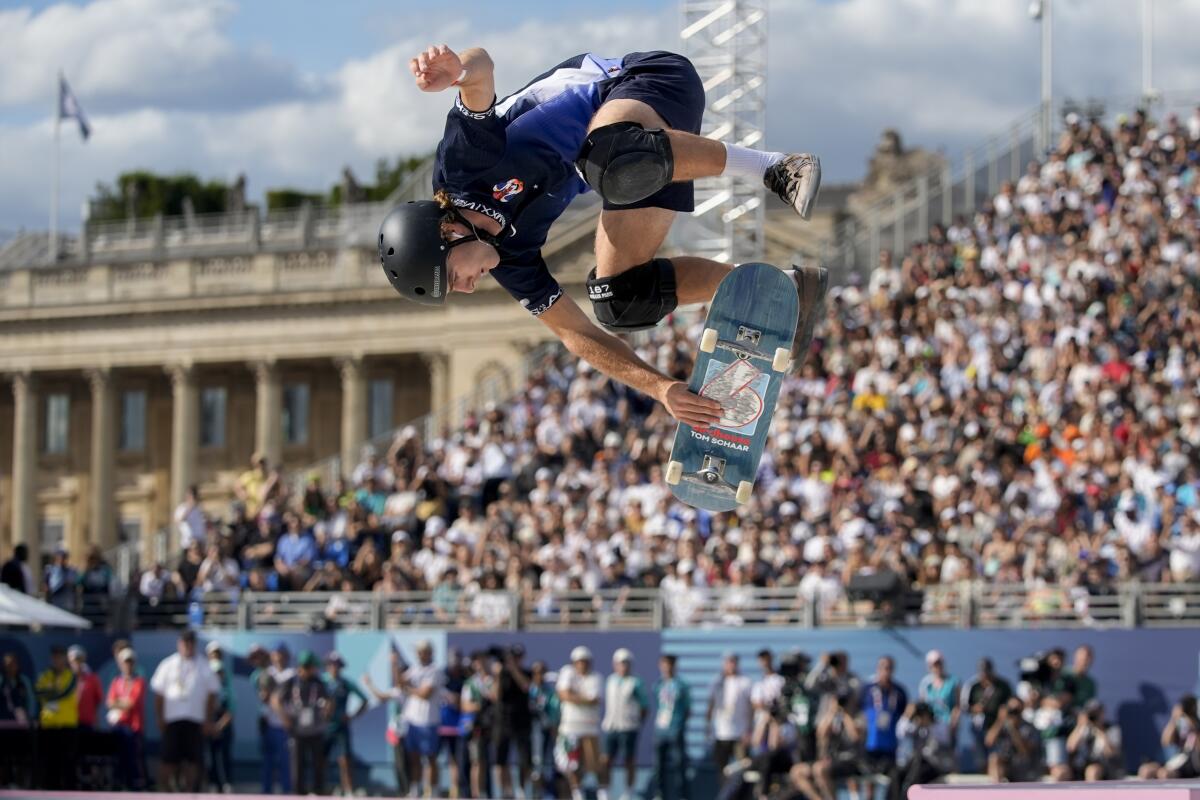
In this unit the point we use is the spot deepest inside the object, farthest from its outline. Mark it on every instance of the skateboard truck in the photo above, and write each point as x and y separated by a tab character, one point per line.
750	335
712	469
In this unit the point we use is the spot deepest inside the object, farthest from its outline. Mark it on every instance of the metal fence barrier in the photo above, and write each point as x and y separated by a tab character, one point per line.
962	605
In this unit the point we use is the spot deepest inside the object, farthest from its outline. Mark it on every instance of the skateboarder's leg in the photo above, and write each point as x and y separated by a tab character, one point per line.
631	238
631	153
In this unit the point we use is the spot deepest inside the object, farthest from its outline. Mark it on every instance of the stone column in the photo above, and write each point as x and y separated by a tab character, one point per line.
24	467
103	530
354	410
439	380
185	436
268	417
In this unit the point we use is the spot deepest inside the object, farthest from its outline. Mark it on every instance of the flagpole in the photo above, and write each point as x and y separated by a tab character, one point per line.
54	171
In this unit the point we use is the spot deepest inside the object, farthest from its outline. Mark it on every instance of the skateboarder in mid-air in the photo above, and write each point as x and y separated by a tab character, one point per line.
627	128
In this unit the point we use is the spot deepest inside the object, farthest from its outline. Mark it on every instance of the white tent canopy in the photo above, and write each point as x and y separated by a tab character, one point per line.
23	611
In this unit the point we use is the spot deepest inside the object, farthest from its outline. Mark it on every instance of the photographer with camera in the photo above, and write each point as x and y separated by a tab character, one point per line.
1094	746
925	753
1180	739
478	714
1013	746
513	726
831	677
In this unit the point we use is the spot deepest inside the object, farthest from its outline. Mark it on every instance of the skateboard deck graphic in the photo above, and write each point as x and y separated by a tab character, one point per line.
742	360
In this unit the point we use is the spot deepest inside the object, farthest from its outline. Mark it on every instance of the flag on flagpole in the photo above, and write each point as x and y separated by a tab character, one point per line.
69	108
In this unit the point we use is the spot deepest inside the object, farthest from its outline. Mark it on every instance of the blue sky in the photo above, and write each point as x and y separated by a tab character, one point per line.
289	92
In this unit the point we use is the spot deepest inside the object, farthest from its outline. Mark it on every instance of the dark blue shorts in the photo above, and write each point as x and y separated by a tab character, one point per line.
621	745
422	739
668	83
337	743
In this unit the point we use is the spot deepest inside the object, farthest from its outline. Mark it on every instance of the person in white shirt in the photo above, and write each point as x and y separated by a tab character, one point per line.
190	521
578	749
626	706
422	684
763	695
729	714
185	700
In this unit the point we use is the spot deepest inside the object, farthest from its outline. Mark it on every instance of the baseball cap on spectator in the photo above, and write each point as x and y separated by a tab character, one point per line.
435	526
399	535
581	653
933	657
281	647
787	509
255	650
611	439
126	654
423	645
686	565
212	647
543	474
622	654
75	651
308	659
334	657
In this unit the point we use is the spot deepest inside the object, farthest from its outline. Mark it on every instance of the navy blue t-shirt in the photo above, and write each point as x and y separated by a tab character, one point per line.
515	162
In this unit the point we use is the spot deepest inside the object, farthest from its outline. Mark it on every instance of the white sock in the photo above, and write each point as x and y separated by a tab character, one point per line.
601	793
742	162
576	794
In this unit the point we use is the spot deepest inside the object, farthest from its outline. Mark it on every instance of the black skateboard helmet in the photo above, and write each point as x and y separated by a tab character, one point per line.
413	252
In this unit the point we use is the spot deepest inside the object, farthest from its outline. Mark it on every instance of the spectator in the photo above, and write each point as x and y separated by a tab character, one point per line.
302	704
220	738
672	706
1012	745
18	702
185	698
187	574
450	730
276	762
763	696
90	694
57	692
1082	684
254	485
95	585
340	691
1180	740
191	525
578	750
729	714
477	719
625	709
153	584
514	724
126	703
839	746
543	699
883	701
926	754
1094	746
218	573
983	697
397	727
294	554
832	677
60	583
941	692
16	573
421	684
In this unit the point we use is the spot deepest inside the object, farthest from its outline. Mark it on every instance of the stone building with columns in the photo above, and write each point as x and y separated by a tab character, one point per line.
156	354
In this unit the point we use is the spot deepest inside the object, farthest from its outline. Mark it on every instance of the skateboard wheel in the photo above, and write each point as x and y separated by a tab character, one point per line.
674	472
743	491
783	357
708	341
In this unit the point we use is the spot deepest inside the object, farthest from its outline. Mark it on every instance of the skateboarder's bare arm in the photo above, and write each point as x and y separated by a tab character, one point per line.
439	67
616	359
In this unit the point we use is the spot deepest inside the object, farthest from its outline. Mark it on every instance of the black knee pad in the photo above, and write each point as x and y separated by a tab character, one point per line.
626	163
635	300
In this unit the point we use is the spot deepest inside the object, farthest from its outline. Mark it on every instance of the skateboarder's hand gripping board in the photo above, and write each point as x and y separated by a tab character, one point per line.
745	352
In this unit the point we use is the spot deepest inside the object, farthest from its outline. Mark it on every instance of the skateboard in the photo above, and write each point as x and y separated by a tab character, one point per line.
745	352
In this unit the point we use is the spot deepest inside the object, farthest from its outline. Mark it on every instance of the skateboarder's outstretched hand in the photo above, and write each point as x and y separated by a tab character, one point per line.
691	408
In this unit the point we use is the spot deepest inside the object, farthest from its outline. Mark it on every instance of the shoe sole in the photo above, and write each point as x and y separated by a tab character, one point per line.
812	286
814	179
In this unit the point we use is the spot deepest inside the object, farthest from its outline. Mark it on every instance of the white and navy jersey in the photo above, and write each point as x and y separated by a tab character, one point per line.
515	162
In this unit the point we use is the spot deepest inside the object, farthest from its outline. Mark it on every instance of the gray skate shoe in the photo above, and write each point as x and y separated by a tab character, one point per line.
811	285
796	180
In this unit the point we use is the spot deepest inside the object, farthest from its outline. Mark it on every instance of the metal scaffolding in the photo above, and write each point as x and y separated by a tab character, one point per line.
727	41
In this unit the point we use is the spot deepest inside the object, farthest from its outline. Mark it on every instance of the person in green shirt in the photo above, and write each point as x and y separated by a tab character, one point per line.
1084	684
543	701
337	738
673	704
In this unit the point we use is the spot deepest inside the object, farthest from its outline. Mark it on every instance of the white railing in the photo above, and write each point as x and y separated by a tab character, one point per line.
962	605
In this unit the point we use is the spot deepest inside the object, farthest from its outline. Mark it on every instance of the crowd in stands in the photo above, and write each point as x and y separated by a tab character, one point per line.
1014	399
489	724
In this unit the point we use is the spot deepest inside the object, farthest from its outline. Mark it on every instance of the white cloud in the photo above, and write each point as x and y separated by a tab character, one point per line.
128	54
175	93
